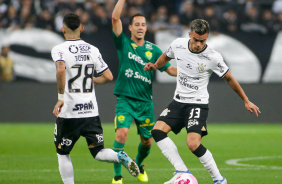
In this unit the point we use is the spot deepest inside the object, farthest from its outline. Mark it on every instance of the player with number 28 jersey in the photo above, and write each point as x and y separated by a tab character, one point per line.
82	59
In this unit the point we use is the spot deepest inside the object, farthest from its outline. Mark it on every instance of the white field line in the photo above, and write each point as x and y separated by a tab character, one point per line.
236	162
151	170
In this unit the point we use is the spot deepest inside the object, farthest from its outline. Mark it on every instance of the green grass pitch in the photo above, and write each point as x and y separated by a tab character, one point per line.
27	155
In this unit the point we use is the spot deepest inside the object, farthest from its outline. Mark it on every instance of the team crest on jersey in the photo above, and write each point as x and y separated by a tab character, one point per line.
73	49
147	120
149	55
121	118
201	68
134	45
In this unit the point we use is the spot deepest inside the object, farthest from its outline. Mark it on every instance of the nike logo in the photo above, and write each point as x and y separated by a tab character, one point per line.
179	59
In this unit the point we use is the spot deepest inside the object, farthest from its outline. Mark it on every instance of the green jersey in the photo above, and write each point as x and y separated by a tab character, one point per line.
132	80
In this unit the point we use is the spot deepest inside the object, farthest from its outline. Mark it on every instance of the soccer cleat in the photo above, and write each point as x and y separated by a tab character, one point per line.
176	174
223	181
128	163
117	181
143	175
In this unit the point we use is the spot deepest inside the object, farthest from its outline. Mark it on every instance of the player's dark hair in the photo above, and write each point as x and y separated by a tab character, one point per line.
72	21
136	15
200	26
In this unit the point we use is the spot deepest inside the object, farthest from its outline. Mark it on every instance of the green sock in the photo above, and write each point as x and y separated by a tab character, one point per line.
117	166
143	152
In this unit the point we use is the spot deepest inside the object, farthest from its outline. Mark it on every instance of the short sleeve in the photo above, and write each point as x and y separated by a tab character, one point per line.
119	40
219	67
170	50
57	55
100	65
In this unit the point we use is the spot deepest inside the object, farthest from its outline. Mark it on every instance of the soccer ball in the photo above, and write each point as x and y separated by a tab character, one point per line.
186	178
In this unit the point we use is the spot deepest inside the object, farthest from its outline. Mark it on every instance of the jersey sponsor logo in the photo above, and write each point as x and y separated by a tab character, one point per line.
201	68
60	56
149	55
204	56
101	61
121	118
192	122
165	112
73	49
180	47
220	67
189	66
183	98
129	73
85	106
66	142
84	48
183	80
134	45
145	79
136	58
148	46
100	138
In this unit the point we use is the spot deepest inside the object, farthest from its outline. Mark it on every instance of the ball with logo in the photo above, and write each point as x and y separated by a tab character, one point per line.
186	178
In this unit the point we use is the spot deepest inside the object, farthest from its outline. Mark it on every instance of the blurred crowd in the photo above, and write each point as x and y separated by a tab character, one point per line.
227	16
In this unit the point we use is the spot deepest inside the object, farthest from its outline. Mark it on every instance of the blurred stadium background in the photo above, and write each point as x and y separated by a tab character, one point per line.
248	33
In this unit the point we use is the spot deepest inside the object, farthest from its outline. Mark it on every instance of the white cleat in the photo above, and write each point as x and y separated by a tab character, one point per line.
223	181
176	174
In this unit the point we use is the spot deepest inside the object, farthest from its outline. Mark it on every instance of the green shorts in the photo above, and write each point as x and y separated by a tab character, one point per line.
142	112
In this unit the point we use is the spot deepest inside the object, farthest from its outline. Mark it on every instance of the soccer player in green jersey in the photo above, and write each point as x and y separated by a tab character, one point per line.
134	87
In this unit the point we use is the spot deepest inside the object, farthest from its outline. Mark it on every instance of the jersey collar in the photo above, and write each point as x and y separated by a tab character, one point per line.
197	52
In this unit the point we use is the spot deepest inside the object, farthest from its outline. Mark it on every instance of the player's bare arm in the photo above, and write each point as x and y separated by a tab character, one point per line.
61	81
105	77
116	21
238	89
163	60
171	71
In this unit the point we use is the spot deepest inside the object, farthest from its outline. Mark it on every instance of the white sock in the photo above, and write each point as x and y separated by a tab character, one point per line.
170	151
66	169
107	155
209	163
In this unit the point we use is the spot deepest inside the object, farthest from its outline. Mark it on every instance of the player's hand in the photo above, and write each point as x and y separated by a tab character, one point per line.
58	107
252	108
150	66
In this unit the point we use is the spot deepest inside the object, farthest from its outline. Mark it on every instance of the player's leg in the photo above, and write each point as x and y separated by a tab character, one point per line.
195	123
93	132
123	120
169	149
145	120
65	138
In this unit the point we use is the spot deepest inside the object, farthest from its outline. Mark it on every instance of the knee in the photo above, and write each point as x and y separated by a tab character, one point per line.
193	145
158	135
94	150
147	142
121	136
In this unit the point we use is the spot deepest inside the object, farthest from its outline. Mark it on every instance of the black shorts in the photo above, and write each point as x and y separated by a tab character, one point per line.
68	131
192	116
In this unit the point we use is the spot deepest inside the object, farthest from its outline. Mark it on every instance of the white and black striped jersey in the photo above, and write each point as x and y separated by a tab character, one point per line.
194	71
81	60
